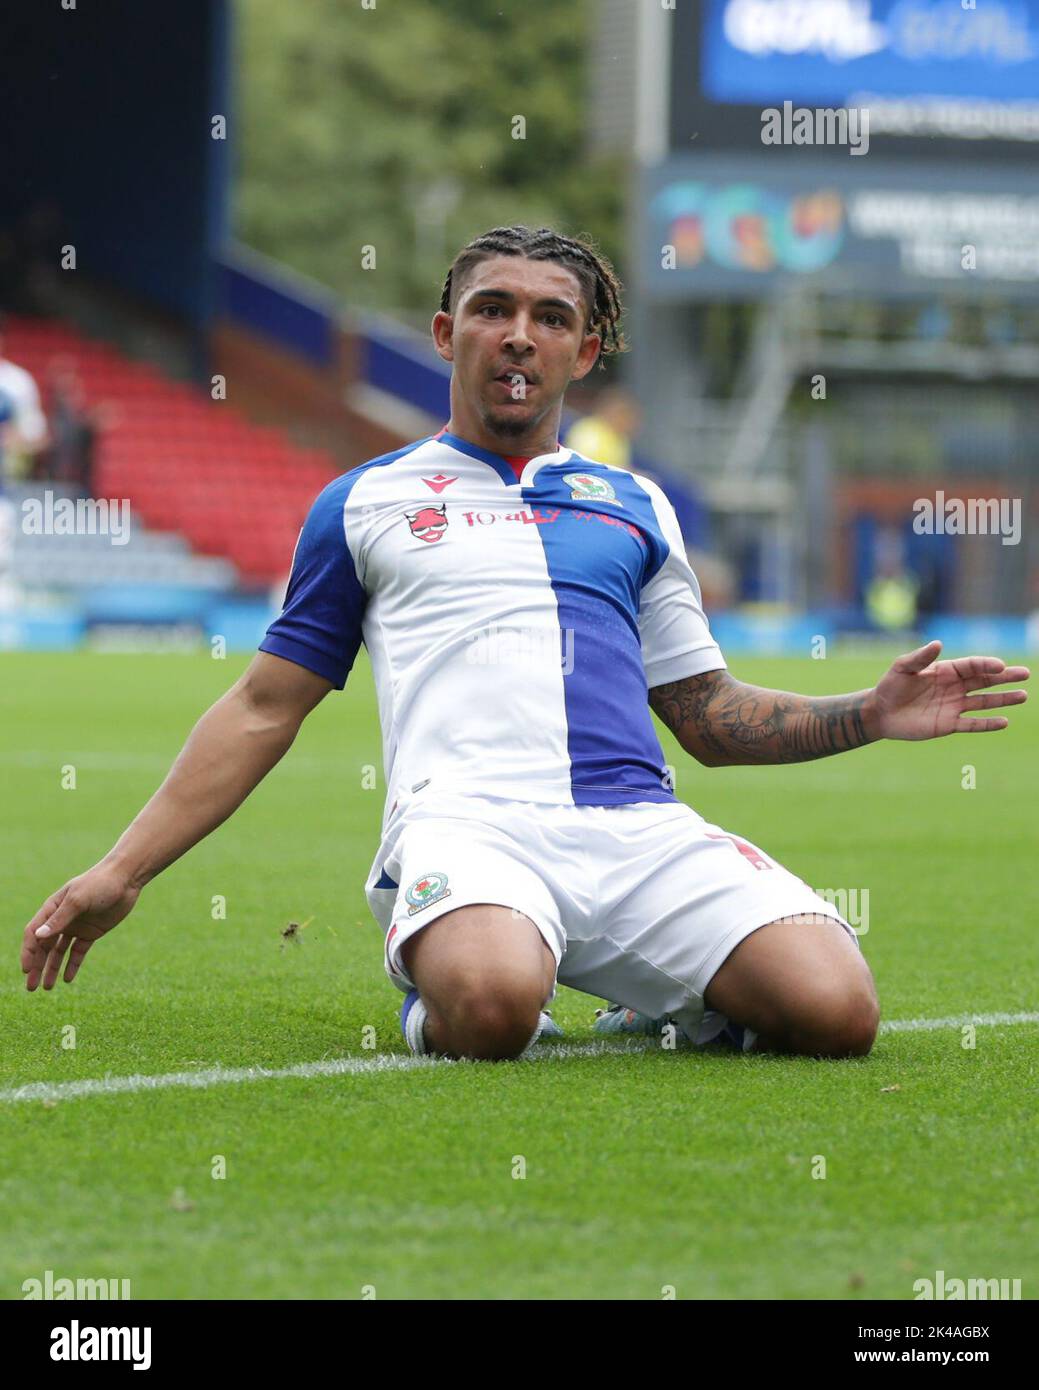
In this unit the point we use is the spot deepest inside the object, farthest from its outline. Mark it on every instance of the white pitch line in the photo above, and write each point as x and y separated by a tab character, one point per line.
365	1066
211	1076
338	1066
926	1025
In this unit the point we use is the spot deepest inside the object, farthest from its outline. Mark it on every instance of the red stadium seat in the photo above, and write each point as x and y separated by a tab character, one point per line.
187	463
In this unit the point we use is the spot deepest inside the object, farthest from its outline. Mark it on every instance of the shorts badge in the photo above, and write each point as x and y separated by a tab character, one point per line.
426	891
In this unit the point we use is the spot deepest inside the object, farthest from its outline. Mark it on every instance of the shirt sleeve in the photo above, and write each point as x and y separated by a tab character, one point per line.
319	626
676	637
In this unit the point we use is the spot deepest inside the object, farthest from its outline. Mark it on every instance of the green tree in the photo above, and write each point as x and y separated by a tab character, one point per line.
392	128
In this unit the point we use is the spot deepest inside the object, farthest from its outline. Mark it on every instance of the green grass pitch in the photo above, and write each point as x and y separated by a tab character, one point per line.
645	1169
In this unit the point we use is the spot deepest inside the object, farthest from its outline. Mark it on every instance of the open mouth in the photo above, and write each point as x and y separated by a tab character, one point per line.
515	383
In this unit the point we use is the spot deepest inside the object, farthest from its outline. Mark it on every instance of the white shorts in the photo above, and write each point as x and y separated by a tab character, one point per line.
639	904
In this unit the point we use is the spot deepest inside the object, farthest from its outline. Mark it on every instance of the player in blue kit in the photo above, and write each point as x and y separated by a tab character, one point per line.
524	609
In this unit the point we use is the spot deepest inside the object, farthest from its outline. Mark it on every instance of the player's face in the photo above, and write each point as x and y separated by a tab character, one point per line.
516	339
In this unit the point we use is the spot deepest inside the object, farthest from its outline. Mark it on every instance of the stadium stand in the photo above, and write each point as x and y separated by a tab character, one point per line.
188	464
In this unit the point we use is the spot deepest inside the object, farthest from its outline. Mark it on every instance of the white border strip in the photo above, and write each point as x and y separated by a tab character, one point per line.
365	1066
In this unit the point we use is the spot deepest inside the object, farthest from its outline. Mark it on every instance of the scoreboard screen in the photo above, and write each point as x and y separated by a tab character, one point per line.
938	77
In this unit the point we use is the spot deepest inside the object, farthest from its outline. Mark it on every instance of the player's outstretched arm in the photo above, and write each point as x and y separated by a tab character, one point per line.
231	748
721	721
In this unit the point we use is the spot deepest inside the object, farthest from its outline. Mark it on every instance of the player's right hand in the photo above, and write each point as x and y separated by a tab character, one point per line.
71	920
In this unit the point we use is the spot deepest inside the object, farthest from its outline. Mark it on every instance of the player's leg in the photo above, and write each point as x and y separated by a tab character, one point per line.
699	920
802	984
473	931
483	974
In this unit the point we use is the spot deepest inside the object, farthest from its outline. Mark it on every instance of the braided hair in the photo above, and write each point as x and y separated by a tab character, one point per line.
598	279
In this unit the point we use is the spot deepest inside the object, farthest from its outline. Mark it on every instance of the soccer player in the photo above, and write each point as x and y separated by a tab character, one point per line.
524	609
25	430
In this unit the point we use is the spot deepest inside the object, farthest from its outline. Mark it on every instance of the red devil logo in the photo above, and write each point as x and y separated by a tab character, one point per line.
428	523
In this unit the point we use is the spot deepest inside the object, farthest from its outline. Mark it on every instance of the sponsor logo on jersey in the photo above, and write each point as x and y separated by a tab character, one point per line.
544	517
428	523
587	488
426	891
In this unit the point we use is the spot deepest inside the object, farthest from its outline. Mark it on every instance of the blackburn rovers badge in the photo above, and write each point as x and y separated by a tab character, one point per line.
585	487
426	891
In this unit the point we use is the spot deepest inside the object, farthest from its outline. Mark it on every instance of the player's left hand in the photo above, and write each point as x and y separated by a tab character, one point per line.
921	697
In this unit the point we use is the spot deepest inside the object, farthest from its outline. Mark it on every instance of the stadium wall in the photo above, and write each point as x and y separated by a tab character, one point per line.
273	386
114	147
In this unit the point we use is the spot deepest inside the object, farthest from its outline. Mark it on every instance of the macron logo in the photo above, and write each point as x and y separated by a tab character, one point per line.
439	482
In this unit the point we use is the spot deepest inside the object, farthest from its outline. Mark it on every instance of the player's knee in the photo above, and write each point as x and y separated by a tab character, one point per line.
838	1021
495	1030
491	1021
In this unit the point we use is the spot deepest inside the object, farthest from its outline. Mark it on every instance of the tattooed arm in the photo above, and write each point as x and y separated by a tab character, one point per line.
721	721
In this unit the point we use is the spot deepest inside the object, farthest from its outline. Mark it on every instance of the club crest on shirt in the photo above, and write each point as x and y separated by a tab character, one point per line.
428	523
587	488
426	891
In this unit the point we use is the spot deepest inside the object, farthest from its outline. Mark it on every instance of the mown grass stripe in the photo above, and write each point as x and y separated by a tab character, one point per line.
363	1066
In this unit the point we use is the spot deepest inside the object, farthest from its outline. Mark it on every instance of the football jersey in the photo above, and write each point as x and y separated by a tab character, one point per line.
514	623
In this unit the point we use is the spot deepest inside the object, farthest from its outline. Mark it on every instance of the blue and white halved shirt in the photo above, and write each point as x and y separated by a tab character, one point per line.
515	625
